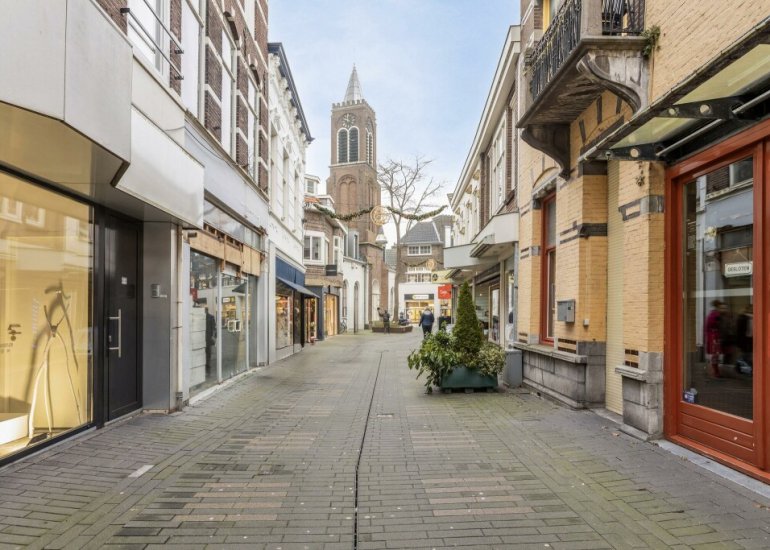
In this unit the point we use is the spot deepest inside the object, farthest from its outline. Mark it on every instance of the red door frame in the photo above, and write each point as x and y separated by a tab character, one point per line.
545	310
740	443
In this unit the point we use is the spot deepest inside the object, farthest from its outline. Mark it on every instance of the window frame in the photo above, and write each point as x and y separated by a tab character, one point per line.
322	245
420	250
547	272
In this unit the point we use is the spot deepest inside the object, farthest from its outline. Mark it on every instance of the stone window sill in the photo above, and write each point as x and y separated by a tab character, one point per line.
632	372
552	352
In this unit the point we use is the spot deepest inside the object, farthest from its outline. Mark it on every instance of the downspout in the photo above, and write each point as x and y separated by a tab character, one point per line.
180	285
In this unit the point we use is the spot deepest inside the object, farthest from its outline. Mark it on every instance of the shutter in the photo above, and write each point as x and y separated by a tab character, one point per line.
615	349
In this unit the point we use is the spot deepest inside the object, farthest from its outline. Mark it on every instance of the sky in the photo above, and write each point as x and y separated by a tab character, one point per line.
425	67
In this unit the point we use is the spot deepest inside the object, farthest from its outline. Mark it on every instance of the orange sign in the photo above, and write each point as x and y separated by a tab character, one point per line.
445	292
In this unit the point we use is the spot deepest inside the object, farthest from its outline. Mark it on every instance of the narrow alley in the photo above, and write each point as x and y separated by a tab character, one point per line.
273	462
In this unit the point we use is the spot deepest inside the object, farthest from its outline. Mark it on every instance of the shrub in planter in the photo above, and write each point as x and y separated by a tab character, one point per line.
441	353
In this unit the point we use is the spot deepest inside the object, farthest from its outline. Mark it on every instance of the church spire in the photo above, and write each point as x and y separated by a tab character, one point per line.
354	87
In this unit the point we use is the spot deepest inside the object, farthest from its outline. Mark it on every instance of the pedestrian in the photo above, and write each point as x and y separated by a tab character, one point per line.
426	322
713	330
386	321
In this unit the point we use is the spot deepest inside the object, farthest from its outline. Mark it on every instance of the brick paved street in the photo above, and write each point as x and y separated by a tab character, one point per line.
270	462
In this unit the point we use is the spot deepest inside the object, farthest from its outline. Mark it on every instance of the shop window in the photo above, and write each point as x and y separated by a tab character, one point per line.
284	316
548	273
204	333
718	284
234	294
494	312
45	314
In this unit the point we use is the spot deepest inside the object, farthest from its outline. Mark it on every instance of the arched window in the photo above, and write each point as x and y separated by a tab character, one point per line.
342	146
369	148
353	145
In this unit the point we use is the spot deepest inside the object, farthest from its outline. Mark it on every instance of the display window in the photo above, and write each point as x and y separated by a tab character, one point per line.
716	302
204	333
330	315
494	314
284	316
46	269
233	325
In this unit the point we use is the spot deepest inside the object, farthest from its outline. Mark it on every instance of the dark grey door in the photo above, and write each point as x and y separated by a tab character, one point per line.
122	307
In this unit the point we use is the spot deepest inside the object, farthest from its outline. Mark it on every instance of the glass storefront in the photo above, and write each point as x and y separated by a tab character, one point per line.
311	319
718	286
204	336
234	307
494	312
46	267
251	322
330	315
284	316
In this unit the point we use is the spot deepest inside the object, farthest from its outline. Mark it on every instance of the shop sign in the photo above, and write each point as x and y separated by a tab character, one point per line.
418	296
445	292
739	269
331	270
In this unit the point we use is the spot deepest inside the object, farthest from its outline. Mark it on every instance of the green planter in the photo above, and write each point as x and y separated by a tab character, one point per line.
463	377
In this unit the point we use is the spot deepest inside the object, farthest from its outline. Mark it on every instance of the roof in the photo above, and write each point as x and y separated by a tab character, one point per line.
354	92
422	232
276	48
390	257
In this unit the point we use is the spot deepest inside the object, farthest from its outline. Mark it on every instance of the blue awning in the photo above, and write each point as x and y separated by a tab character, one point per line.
297	287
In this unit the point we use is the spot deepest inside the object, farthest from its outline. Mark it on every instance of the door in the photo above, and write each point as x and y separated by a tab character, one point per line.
616	353
121	311
716	281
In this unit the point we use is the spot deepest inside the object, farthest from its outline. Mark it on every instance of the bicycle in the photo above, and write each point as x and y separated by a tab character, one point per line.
343	326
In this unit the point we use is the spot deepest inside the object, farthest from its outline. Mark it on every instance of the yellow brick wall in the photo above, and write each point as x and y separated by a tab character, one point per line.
693	33
643	259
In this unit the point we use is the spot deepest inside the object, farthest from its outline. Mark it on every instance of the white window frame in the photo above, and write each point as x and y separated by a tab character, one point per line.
192	40
150	47
229	63
320	238
419	250
337	251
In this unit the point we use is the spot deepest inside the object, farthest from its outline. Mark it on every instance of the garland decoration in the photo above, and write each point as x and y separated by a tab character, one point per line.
342	217
416	217
353	215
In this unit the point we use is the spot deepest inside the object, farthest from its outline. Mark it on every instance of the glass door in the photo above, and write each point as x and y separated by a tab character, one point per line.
233	325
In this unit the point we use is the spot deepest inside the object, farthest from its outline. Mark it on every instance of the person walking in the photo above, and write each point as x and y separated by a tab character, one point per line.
426	322
386	321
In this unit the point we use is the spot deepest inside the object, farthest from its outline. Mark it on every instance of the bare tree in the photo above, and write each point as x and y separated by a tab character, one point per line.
408	189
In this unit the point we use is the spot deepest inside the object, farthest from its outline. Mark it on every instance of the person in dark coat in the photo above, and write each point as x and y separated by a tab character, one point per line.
386	321
426	322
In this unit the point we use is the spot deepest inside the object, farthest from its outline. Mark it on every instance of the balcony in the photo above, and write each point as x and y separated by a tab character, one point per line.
591	46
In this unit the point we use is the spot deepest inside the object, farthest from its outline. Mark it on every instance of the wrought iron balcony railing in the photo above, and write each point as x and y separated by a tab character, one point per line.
576	20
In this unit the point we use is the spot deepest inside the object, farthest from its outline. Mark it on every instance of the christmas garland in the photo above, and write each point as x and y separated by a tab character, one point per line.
394	211
342	217
415	217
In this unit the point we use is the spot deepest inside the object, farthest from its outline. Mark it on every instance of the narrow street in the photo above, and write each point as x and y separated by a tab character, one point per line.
273	462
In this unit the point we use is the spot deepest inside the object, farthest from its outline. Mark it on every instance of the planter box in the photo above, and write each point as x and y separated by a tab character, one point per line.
462	378
393	328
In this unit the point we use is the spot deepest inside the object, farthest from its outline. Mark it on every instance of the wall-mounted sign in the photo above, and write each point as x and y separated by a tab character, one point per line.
739	269
418	296
445	292
331	269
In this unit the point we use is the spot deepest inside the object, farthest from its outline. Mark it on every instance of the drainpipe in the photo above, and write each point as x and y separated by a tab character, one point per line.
180	285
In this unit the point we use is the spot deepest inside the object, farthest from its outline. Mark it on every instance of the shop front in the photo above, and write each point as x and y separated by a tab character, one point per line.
416	303
222	309
717	384
294	305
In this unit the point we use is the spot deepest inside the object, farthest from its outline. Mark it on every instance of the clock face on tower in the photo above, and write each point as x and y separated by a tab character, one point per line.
348	120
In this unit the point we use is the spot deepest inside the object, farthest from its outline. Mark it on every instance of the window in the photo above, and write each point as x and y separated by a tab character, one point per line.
228	85
252	131
191	35
337	251
314	248
418	274
144	30
353	145
548	273
310	187
369	148
342	146
419	250
497	176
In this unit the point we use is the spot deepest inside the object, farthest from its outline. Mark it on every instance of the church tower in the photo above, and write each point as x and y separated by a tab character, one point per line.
353	169
353	185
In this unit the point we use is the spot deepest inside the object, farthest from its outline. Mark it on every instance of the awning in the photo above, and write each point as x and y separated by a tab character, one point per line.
299	288
727	95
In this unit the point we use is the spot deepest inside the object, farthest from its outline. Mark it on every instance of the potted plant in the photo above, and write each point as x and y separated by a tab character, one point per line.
460	360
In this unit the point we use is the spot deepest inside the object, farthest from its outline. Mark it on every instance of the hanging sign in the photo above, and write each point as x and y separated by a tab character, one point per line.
739	269
445	292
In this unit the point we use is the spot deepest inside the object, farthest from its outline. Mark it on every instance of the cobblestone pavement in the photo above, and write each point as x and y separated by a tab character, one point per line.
272	461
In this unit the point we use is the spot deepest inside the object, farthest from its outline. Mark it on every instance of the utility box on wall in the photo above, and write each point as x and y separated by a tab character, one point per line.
565	311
